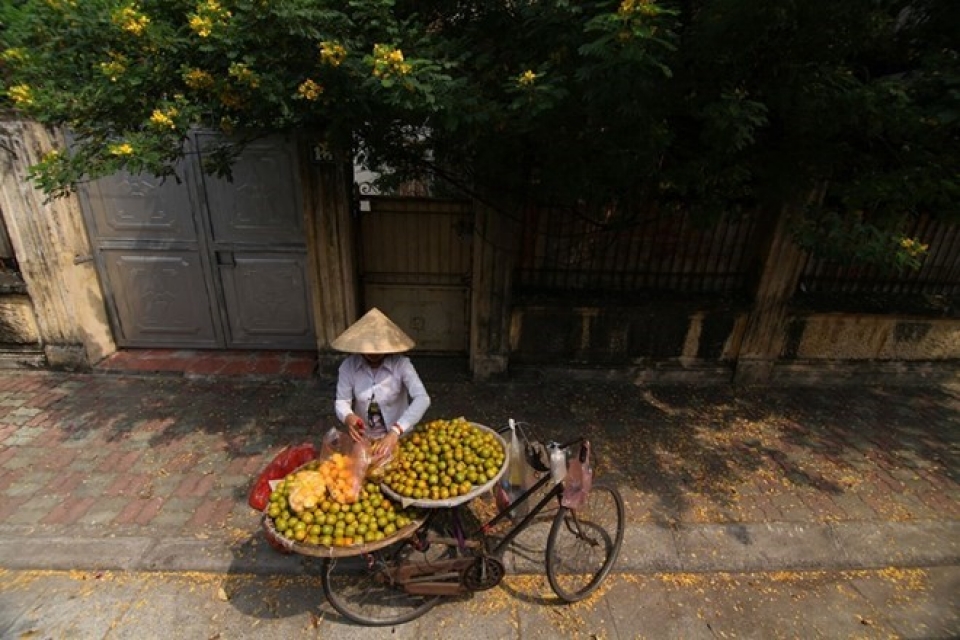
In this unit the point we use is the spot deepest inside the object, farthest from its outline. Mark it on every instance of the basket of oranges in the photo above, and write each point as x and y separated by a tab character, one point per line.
444	463
322	509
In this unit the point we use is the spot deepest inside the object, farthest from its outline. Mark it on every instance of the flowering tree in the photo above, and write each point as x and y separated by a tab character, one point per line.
846	108
132	79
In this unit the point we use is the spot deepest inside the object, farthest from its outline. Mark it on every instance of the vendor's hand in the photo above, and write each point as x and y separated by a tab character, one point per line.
354	426
386	443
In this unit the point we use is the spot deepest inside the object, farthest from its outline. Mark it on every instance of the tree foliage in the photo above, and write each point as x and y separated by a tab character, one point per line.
132	79
848	109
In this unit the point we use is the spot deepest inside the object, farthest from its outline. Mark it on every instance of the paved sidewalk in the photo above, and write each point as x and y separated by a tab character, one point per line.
151	472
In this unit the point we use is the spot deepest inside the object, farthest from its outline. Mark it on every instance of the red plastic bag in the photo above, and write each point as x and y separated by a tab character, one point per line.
283	463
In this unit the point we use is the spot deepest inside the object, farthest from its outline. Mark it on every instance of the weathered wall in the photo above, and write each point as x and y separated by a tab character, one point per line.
619	335
871	337
695	341
53	253
18	325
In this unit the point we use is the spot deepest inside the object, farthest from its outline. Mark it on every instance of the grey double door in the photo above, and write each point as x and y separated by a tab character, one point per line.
207	262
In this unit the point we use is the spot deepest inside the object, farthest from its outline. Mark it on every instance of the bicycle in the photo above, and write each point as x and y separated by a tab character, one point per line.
403	581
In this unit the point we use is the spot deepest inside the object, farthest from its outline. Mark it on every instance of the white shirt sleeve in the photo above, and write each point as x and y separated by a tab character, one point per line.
346	381
419	399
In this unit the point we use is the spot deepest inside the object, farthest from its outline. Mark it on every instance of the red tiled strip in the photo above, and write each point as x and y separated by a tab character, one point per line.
292	364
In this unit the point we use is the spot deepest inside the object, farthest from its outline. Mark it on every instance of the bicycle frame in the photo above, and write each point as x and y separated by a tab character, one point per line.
555	492
517	528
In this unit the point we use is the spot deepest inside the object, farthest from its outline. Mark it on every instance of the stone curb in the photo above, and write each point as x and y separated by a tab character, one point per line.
647	548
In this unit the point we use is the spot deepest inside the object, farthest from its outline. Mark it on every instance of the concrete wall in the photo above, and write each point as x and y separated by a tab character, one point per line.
700	341
18	325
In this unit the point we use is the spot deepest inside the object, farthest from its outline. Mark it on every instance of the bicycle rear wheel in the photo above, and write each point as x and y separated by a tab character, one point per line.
584	544
362	589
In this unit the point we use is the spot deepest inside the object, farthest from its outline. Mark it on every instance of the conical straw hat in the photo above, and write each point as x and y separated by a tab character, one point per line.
373	333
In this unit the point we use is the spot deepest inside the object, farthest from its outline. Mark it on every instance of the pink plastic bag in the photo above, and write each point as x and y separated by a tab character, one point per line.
579	479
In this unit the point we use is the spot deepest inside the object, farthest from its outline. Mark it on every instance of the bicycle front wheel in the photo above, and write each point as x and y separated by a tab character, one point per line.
363	590
584	544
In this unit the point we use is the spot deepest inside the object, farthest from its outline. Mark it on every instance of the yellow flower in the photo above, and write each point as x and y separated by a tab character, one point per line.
201	26
913	246
309	89
643	7
332	53
113	69
243	74
14	55
130	20
527	78
387	61
50	156
121	149
208	15
198	79
21	94
164	119
231	99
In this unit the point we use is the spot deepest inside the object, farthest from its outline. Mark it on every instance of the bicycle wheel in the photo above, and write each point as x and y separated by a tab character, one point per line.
584	544
362	590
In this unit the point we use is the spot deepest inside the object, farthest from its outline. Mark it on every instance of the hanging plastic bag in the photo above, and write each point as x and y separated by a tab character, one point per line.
343	464
579	479
516	479
287	460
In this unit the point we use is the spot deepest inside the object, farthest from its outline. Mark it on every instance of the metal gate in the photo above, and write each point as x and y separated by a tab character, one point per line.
205	263
415	265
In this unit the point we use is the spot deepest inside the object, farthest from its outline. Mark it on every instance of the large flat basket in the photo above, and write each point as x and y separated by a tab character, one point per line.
457	500
323	551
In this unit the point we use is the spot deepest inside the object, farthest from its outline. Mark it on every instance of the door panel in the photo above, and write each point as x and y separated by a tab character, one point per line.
416	259
257	234
206	263
132	207
261	205
164	299
266	299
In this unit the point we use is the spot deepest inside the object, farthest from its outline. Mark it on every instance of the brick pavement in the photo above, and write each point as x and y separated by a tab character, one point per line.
172	455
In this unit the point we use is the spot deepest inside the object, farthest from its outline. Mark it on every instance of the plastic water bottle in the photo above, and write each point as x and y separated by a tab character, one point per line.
375	416
558	464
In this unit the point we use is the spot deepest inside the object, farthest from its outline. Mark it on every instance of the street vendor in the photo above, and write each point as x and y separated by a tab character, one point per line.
379	392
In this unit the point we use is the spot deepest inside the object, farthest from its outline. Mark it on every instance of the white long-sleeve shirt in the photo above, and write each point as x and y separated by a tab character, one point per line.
395	383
